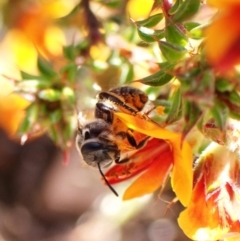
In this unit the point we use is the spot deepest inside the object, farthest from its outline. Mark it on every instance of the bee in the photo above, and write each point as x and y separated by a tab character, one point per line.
106	139
122	99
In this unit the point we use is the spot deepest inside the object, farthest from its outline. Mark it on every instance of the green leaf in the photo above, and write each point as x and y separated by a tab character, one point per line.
220	115
30	118
25	126
235	115
26	76
187	9
172	52
151	21
70	127
71	71
130	73
55	116
53	133
83	45
195	30
175	112
69	52
159	78
166	66
46	68
192	114
235	98
150	35
223	85
175	35
50	95
113	3
191	25
196	33
231	100
175	7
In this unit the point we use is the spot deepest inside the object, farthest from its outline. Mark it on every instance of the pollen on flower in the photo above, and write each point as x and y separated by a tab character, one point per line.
160	110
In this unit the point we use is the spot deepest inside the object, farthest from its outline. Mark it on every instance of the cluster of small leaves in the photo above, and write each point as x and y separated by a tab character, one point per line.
204	98
55	93
53	107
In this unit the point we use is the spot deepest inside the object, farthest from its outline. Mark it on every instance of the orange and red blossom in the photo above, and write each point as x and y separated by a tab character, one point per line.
213	212
163	154
223	36
12	107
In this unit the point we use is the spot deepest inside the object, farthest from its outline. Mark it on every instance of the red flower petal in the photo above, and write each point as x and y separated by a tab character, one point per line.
180	152
152	178
138	162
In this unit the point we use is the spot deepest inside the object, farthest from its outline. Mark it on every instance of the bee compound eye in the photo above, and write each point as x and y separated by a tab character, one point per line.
96	152
95	128
91	147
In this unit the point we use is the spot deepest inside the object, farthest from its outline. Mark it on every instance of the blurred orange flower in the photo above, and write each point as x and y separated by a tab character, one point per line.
34	26
213	212
36	21
12	108
223	36
163	154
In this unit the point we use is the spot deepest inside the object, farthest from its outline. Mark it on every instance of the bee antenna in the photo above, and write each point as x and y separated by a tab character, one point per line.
105	179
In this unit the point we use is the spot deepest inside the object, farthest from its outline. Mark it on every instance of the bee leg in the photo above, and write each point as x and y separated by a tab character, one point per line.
131	139
133	142
124	160
149	111
143	142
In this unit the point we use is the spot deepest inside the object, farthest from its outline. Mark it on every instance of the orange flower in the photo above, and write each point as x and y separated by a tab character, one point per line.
213	212
164	153
12	108
223	36
35	22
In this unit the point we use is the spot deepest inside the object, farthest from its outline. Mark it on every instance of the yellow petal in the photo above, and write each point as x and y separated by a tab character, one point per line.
54	40
24	51
58	8
182	174
233	237
146	127
139	9
6	87
12	112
